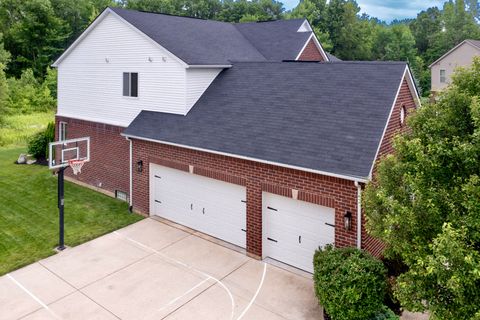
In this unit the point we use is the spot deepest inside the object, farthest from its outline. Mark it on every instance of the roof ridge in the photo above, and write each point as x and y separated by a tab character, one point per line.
321	63
167	14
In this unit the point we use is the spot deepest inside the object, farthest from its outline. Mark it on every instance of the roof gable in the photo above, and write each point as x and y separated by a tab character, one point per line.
198	42
473	43
276	40
319	116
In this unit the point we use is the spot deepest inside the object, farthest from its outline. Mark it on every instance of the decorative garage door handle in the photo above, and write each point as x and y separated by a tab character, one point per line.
191	206
329	224
244	201
244	230
270	208
158	201
270	239
299	239
158	177
203	210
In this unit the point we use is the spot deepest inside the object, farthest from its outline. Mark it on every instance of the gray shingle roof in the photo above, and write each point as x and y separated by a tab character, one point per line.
209	42
322	116
195	41
276	40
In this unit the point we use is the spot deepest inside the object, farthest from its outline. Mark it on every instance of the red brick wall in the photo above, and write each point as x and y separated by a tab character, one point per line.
311	53
109	154
394	127
327	191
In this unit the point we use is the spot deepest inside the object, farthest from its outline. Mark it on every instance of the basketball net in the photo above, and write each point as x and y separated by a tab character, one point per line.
76	165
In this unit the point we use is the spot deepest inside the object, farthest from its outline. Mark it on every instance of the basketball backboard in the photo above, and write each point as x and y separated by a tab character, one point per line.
61	152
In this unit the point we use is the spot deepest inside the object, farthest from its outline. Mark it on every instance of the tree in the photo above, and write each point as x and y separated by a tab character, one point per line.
351	37
315	12
424	203
32	34
4	58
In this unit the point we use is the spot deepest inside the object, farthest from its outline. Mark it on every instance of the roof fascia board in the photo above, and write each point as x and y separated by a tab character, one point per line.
97	21
92	25
349	178
203	66
386	124
308	27
451	50
317	44
413	87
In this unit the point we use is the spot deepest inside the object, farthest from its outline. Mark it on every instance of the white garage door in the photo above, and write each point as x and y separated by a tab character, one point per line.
208	205
294	229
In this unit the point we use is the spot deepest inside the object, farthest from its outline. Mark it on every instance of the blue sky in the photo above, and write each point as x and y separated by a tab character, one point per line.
387	9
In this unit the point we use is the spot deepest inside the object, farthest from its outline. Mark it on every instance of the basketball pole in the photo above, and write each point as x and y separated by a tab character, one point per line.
61	202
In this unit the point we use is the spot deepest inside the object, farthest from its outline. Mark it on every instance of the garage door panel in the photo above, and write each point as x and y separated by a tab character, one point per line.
207	205
298	229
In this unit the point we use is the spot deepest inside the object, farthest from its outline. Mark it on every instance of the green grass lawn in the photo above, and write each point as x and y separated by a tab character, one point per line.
29	214
16	129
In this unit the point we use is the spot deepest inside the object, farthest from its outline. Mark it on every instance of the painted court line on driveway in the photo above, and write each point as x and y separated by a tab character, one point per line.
40	302
256	293
186	266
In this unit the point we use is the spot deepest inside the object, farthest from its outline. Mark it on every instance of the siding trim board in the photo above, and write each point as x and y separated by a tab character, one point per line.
317	44
359	179
417	102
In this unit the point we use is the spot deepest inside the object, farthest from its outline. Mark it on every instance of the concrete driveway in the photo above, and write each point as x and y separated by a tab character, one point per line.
152	270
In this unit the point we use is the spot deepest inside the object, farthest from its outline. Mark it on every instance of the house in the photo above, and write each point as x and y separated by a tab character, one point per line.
248	132
460	56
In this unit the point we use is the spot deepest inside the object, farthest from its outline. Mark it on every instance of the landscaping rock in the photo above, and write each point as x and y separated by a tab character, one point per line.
22	159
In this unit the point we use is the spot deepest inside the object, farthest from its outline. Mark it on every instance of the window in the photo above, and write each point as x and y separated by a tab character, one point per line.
62	131
443	77
130	84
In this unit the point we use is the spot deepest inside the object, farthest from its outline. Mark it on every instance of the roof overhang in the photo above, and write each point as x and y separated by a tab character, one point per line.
206	66
329	174
407	75
453	49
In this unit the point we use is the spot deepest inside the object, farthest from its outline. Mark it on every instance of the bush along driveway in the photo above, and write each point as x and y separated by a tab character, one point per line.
29	215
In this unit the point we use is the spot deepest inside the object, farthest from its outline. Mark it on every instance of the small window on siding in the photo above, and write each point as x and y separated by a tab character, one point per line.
443	77
403	113
62	131
130	84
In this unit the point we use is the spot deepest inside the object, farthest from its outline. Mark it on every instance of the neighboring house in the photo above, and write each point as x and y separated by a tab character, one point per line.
221	128
460	56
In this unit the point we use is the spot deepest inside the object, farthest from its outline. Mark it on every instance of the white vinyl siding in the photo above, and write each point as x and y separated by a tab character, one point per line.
90	81
198	81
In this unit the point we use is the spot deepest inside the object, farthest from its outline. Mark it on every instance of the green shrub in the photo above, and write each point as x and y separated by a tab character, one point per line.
385	314
350	284
38	145
26	95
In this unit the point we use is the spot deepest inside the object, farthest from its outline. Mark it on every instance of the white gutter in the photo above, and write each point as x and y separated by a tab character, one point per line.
130	192
359	214
203	66
349	178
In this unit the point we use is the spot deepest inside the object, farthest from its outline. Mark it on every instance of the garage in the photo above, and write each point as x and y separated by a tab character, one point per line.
294	229
211	206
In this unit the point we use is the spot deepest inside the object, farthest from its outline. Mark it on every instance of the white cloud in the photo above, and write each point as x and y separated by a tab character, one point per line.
387	9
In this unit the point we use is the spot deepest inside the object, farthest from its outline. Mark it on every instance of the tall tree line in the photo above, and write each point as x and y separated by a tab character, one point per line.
35	32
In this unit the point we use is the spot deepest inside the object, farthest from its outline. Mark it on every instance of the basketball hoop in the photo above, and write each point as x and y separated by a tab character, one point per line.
76	165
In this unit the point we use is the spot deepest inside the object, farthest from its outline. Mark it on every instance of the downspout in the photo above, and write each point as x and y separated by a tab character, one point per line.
130	192
359	214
